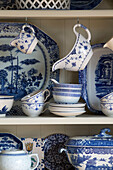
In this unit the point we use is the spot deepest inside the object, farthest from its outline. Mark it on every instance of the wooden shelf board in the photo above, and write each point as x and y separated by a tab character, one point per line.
54	13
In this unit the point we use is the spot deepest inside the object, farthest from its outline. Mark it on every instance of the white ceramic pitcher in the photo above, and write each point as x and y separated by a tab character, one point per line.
17	160
79	56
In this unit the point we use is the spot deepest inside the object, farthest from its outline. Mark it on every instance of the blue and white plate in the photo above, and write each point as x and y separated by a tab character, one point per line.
53	159
10	142
84	4
21	74
97	77
35	145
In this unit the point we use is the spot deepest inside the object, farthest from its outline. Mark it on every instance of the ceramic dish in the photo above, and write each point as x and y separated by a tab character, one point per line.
35	145
97	77
10	142
53	159
68	114
20	73
68	105
83	4
61	109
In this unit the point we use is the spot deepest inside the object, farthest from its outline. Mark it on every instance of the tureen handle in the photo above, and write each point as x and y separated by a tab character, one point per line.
103	133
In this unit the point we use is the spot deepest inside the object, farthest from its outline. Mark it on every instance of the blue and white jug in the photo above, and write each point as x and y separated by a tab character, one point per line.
25	41
79	56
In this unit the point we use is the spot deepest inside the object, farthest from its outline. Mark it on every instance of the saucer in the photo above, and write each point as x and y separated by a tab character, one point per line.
68	105
68	114
63	109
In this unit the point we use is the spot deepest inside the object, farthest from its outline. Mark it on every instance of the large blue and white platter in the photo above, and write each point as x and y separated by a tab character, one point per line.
97	77
21	74
84	4
10	142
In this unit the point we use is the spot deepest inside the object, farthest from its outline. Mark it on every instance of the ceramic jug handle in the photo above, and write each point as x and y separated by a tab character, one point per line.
46	90
37	161
86	29
28	26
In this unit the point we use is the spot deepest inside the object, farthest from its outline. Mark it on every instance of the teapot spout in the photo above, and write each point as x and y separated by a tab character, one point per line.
13	43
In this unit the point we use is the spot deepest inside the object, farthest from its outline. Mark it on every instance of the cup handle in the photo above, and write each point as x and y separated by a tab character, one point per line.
86	29
35	155
46	90
24	26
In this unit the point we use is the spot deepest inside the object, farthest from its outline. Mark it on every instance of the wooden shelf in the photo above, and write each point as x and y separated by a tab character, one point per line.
55	13
56	120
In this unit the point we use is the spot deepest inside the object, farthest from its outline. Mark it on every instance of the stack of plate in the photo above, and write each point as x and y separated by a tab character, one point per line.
67	109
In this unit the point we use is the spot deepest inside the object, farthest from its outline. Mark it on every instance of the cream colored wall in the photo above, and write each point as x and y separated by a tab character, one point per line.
61	31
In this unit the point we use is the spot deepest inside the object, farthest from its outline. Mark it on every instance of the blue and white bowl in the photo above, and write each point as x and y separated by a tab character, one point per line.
107	108
107	98
6	103
67	86
70	98
91	152
77	90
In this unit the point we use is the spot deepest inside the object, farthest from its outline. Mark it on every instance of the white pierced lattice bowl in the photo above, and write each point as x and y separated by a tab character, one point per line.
43	4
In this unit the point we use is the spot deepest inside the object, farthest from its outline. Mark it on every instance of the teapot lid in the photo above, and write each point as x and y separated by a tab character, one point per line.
102	139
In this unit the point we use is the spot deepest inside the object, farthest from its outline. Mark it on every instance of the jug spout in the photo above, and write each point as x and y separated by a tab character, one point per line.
109	44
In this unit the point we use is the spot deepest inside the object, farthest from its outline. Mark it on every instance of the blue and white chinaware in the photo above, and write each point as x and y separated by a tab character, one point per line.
79	56
107	98
21	74
107	108
96	78
84	4
53	159
10	142
91	152
26	40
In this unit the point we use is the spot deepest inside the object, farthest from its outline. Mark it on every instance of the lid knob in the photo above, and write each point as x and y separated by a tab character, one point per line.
103	133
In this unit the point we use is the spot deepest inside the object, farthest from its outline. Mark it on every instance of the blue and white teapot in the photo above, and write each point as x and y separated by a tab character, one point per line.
79	56
25	41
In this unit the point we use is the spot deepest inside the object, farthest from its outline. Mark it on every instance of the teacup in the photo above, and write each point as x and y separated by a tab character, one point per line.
25	41
33	104
17	160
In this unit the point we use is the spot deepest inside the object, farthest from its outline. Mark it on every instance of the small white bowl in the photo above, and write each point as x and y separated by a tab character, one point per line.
69	98
6	103
107	109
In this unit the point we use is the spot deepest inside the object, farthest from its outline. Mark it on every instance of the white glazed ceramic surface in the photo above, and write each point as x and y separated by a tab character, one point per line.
6	103
107	98
77	105
61	109
67	90
109	44
79	56
68	114
25	41
35	145
66	97
17	160
107	109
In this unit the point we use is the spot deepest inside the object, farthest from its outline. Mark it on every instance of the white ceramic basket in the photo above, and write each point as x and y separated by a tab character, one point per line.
43	4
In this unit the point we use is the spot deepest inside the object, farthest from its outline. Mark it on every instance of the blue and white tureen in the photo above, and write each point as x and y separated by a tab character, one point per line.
91	152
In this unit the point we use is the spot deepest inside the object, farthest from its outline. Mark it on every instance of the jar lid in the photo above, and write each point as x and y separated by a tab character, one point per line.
103	139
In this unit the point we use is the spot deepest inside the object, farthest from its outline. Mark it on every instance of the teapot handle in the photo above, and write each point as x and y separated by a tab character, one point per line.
86	29
24	26
37	161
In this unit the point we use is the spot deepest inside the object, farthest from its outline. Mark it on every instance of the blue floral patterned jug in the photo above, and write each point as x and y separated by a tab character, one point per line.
25	41
79	56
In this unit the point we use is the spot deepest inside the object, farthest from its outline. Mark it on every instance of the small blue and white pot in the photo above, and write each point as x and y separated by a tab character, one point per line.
107	108
6	103
17	160
91	152
107	98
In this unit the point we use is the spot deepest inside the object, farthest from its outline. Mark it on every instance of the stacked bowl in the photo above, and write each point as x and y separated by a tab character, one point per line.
66	97
107	104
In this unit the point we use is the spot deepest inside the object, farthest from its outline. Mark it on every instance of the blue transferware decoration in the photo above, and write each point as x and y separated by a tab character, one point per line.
21	74
96	78
35	145
84	4
107	98
53	159
107	108
7	5
10	142
26	40
91	152
80	54
6	103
